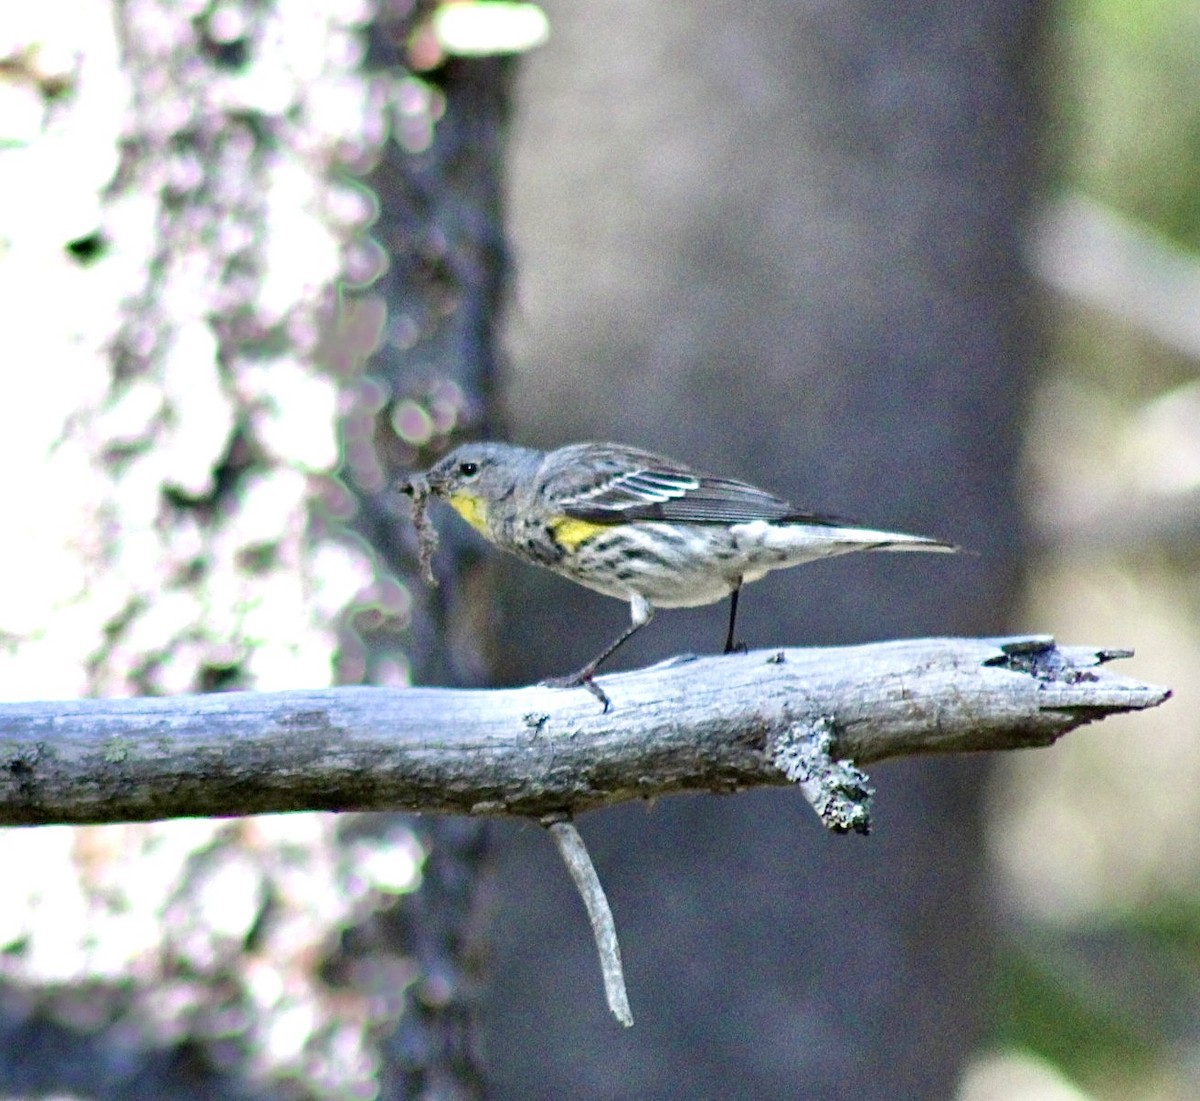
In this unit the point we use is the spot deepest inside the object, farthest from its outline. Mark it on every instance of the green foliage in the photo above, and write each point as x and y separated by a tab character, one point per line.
1128	98
1110	1004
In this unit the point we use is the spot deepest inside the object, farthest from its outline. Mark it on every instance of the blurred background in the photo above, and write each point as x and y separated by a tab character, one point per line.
930	266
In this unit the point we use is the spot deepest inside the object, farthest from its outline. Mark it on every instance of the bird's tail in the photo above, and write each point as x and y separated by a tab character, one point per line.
803	542
898	541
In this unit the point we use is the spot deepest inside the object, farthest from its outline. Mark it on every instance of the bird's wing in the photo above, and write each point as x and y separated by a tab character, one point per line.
635	485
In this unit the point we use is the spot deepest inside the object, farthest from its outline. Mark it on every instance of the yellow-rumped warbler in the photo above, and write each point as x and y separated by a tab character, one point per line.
637	526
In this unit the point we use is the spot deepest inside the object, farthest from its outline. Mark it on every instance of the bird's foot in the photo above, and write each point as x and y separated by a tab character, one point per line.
582	679
732	647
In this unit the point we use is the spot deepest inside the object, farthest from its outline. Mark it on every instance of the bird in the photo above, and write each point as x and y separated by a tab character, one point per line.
637	526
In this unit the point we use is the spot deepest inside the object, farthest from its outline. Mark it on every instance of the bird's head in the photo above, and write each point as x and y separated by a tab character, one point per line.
471	478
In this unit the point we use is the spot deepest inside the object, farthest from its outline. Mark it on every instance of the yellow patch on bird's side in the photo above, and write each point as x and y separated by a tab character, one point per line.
472	509
570	533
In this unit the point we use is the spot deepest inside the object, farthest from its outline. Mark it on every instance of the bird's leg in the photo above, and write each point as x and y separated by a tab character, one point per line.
730	645
642	611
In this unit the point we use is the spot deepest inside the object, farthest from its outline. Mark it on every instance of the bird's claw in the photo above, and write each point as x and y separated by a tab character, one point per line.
582	679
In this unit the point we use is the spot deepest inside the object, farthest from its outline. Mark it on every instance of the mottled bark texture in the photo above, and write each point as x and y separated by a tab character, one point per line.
192	453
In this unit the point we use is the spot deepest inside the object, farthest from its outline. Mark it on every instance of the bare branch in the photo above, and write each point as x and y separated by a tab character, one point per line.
837	790
704	724
575	855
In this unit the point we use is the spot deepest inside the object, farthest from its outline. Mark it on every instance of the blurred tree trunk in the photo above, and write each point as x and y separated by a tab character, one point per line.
780	241
178	233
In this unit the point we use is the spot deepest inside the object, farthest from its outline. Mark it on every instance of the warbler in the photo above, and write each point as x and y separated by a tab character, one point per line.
637	526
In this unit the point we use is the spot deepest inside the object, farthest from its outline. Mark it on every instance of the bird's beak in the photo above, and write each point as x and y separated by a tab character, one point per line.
416	486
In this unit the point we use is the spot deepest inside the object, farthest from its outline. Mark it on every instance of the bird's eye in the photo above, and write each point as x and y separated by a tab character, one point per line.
468	470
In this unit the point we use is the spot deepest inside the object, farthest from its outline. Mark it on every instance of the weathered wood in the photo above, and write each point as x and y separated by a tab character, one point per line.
703	724
604	930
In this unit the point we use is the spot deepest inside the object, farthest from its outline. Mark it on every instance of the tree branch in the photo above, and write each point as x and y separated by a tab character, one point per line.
704	724
583	874
691	724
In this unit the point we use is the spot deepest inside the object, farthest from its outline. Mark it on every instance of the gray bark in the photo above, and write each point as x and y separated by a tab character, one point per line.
698	724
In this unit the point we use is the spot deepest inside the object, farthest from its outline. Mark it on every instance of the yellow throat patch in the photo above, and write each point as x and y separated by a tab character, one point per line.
472	509
569	533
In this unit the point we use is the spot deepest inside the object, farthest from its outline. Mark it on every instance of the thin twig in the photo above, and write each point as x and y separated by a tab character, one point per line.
575	855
